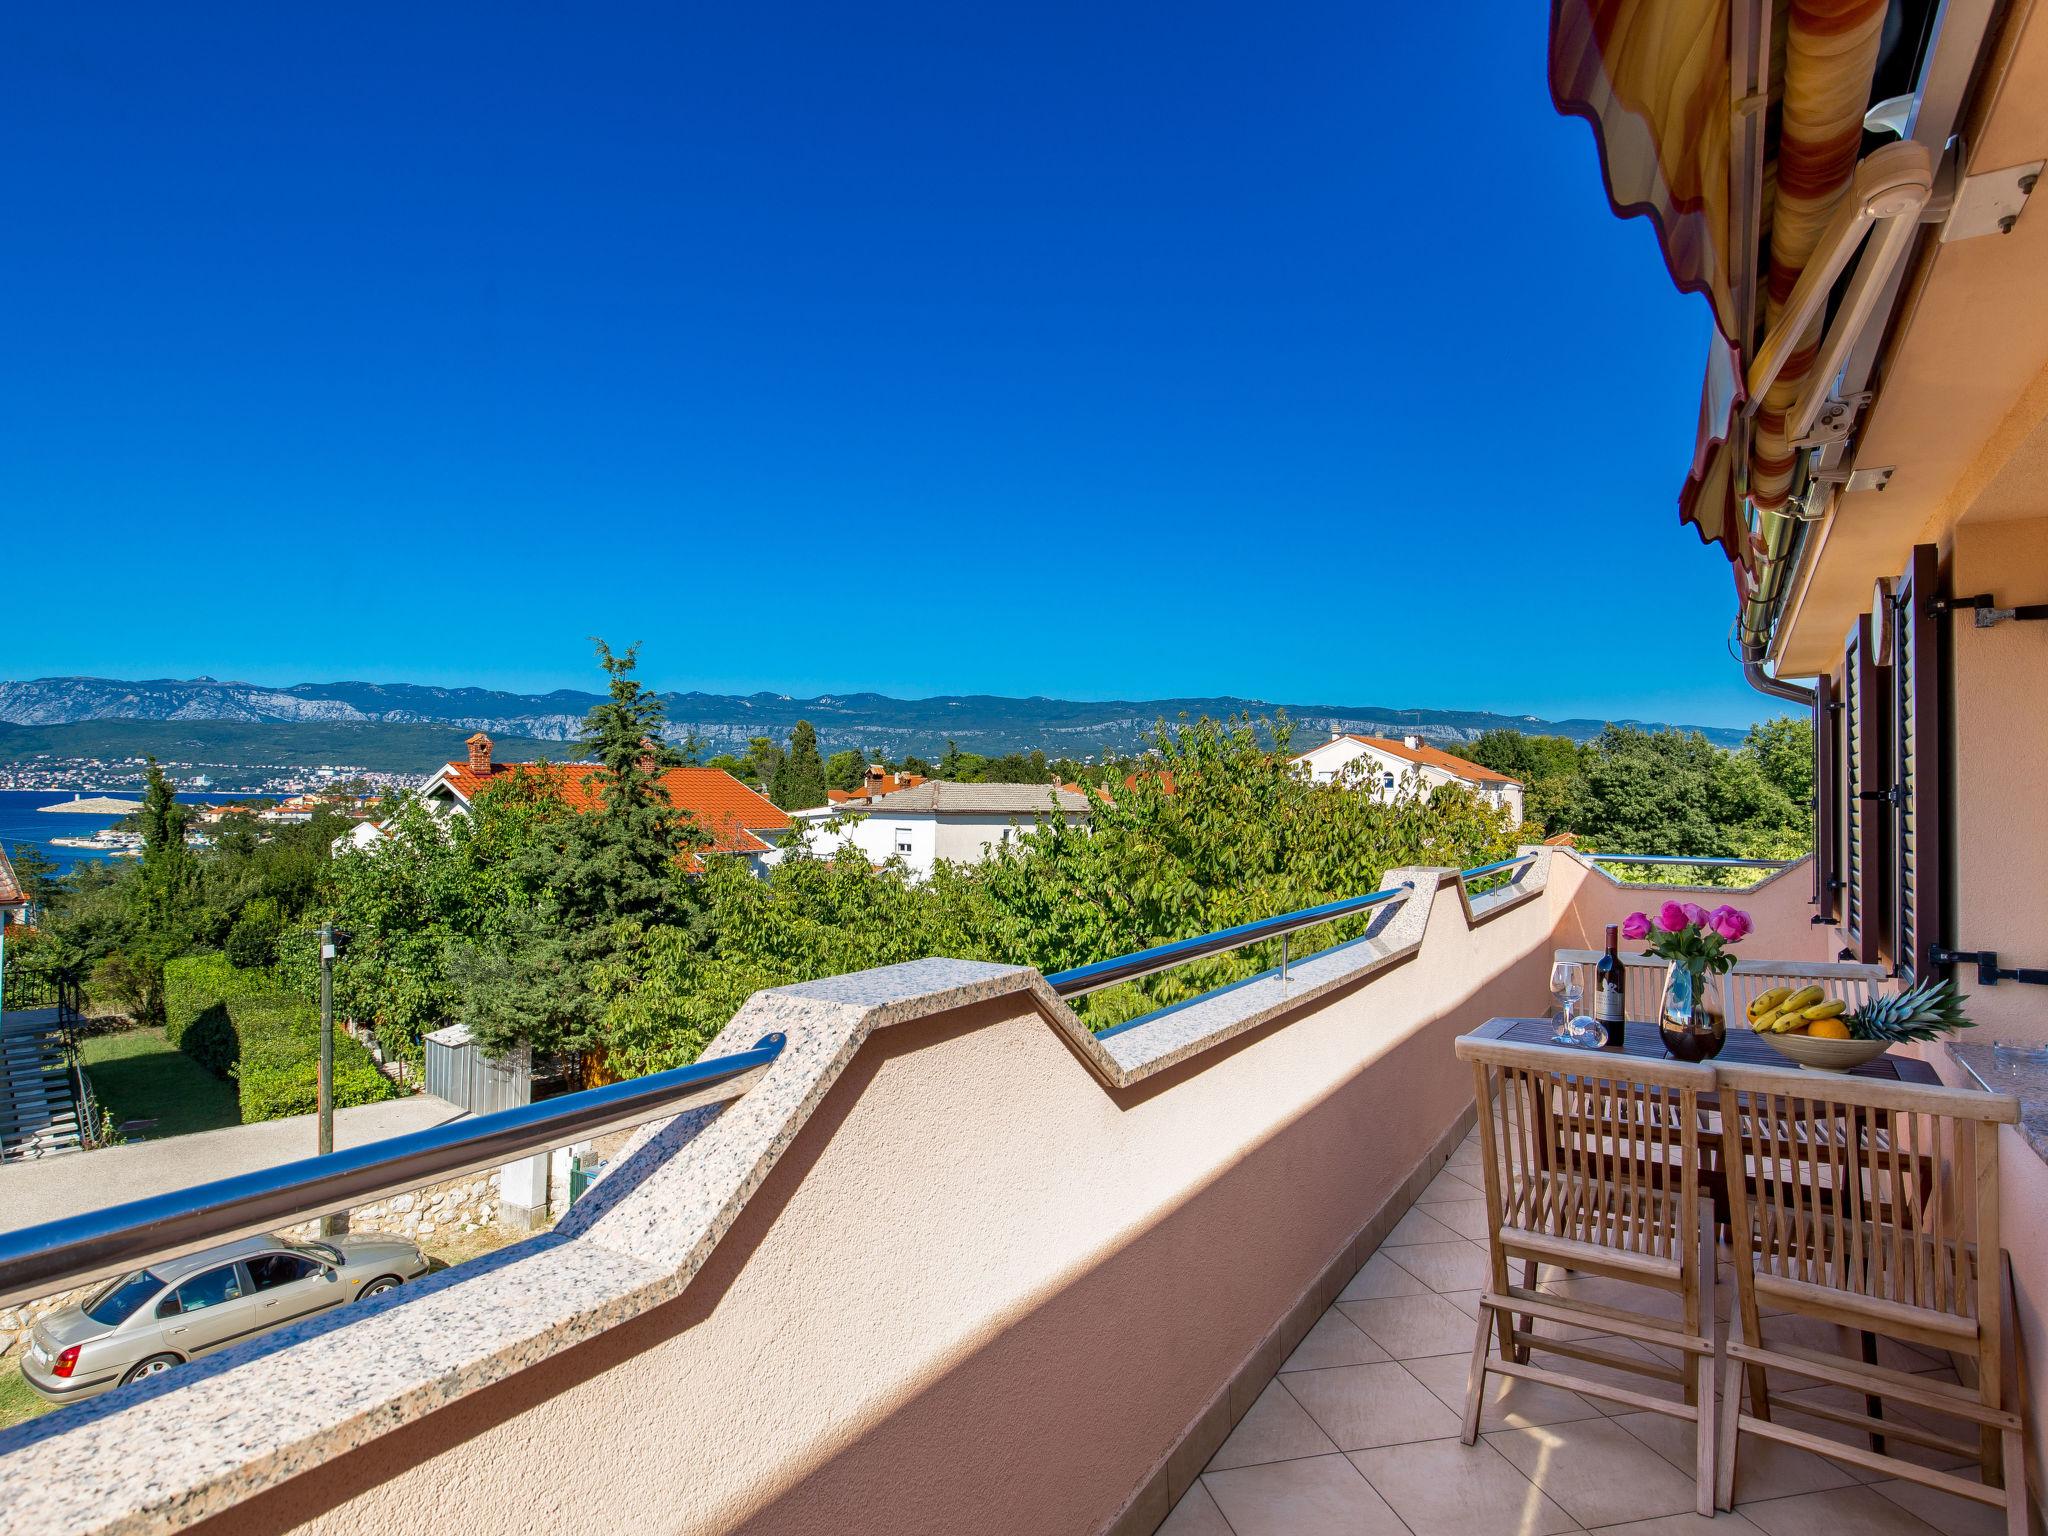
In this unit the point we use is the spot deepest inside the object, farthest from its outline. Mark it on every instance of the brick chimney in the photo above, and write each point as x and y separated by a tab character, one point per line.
479	754
875	775
648	755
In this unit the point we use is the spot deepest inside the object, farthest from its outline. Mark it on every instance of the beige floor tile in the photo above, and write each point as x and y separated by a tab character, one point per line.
1447	1488
1509	1404
1670	1391
1852	1511
1687	1524
1944	1511
1363	1406
1459	1266
1447	1185
1466	1302
1274	1428
1323	1496
1597	1471
1335	1340
1381	1276
1196	1515
1467	1218
1409	1327
1764	1469
1467	1156
1418	1226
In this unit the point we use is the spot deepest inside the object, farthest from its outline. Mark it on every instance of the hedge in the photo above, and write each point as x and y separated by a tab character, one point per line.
238	1025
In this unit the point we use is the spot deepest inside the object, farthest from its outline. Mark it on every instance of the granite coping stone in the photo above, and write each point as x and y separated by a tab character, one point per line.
224	1428
2020	1070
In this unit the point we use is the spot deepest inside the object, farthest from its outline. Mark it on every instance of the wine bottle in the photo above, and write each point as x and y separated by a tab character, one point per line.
1610	992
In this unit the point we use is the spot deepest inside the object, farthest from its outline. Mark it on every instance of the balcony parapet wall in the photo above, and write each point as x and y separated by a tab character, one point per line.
1305	1105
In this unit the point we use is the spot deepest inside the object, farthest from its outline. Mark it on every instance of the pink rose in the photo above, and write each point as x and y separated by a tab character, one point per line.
1671	917
1731	923
1696	914
1635	926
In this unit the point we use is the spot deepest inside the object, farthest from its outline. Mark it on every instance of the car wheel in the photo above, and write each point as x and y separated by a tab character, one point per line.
378	1287
155	1365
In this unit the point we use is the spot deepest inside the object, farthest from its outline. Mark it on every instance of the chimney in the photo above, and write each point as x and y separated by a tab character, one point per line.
649	755
479	754
1411	742
876	775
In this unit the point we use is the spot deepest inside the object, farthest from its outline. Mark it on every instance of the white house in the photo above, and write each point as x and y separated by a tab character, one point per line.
936	820
1389	768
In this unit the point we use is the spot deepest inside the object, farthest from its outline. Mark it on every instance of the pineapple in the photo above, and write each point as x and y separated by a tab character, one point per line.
1921	1012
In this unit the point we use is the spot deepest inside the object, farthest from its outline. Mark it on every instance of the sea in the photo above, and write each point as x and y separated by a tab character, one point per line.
22	820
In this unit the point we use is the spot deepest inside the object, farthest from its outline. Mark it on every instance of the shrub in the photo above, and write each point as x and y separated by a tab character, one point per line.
277	1073
195	984
238	1024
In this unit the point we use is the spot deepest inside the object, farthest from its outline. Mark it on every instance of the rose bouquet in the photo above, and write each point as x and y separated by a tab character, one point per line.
1686	934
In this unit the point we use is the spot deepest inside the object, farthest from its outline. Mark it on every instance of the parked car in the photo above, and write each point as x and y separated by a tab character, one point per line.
146	1322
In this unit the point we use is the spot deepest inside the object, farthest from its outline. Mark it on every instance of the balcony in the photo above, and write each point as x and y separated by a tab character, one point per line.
924	1254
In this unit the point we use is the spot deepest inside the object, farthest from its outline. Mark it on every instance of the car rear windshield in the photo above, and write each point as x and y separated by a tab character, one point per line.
117	1303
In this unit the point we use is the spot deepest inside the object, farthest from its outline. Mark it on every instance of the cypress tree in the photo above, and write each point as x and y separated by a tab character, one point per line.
800	777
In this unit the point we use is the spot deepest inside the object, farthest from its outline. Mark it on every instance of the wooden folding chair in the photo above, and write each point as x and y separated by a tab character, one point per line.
1872	1205
1592	1163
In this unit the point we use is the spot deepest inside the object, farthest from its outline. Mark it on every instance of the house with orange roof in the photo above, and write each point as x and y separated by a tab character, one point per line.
1390	768
876	782
737	819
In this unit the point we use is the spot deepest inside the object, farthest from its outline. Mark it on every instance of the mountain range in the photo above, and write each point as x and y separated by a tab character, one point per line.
411	727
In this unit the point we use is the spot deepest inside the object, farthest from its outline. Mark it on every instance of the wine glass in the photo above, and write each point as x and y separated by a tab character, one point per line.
1573	1027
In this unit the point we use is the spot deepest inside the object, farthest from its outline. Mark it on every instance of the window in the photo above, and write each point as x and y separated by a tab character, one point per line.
903	840
207	1290
117	1302
268	1270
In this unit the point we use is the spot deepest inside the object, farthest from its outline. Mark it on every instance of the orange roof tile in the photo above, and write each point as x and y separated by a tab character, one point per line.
725	808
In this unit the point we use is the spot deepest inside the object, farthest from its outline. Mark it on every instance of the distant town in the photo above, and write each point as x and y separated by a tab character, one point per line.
98	773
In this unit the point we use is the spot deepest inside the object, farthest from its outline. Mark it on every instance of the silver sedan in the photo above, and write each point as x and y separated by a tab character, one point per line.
146	1322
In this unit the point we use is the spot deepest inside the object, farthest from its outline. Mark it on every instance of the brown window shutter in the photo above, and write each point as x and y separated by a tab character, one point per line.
1827	790
1916	763
1863	796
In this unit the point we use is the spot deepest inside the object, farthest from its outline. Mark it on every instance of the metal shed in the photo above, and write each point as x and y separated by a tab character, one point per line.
458	1071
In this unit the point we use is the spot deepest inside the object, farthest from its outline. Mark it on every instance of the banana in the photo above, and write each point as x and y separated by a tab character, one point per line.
1767	1002
1764	1023
1787	1021
1832	1008
1805	997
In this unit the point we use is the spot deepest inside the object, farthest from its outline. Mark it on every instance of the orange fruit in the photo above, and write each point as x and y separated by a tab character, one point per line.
1828	1029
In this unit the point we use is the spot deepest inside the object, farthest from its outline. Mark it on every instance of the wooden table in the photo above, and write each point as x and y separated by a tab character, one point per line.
1744	1048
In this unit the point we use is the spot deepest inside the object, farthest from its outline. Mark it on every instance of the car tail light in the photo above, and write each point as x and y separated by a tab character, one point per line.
66	1362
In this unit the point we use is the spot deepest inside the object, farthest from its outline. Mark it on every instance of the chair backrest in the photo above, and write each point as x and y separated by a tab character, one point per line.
1880	1190
1643	976
1589	1147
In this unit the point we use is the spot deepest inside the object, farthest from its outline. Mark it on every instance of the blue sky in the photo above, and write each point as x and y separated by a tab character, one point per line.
1088	351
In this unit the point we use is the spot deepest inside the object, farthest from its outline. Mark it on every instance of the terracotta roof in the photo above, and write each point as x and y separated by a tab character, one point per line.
1458	767
875	785
724	807
11	893
1164	776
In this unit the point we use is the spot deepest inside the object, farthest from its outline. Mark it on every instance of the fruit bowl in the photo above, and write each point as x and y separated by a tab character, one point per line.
1825	1055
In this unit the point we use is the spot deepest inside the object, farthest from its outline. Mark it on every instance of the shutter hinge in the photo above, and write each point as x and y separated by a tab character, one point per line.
1989	972
1892	796
1988	613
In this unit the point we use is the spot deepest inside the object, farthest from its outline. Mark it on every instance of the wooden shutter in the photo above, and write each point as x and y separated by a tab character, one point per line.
1827	801
1916	763
1863	789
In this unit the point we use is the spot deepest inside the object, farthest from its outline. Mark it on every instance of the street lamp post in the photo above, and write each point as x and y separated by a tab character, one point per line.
330	1224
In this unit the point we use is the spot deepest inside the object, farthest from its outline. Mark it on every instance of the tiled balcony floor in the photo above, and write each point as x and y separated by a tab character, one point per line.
1359	1433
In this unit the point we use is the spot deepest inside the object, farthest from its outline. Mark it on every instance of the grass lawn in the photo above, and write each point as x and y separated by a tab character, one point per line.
16	1401
138	1075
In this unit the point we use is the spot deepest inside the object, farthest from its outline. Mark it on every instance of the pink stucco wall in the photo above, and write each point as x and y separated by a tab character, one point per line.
1781	908
980	1291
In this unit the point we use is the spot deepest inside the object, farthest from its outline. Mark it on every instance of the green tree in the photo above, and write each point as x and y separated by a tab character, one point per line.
845	770
35	872
799	782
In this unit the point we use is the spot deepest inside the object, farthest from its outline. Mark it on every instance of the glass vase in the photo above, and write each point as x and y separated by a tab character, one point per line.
1689	1017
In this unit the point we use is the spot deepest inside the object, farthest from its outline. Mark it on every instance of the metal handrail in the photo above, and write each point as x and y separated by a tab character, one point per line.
1679	858
41	1260
1489	869
1146	962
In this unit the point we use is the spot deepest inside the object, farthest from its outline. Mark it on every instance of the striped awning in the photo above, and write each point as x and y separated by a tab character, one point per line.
1654	79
